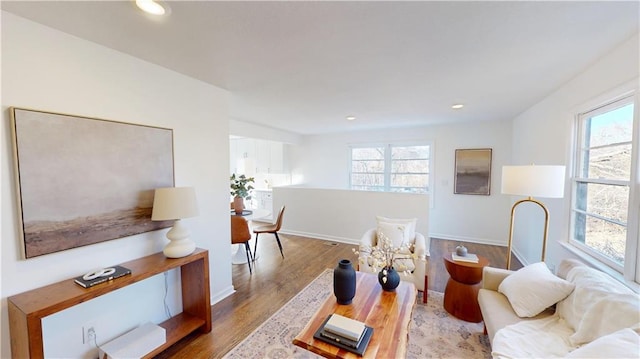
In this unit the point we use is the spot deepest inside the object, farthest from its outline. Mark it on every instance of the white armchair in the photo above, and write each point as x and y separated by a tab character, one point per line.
420	248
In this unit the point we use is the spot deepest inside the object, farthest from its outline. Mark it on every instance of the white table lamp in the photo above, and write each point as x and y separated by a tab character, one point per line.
530	181
176	203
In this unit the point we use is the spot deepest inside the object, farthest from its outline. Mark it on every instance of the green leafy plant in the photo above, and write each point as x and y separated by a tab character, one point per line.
241	186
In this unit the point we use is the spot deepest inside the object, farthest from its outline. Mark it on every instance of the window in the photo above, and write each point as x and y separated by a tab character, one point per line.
602	185
391	168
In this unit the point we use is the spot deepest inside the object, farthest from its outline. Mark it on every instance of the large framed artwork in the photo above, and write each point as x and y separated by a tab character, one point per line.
85	180
473	171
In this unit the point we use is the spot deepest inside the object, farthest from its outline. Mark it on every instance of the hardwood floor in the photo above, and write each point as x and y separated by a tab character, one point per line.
276	280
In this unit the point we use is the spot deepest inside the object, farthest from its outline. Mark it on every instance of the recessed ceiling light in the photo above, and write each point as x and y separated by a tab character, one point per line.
351	118
151	7
457	106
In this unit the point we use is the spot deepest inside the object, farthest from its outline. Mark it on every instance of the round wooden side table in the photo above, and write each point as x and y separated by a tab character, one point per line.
461	292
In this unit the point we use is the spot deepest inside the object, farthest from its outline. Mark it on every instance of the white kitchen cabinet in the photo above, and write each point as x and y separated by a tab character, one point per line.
263	156
233	156
276	157
263	199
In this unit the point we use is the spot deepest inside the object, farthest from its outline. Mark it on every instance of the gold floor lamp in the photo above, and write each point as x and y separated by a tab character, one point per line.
532	181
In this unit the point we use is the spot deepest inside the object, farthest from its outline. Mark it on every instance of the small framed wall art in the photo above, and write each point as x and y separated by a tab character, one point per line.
473	171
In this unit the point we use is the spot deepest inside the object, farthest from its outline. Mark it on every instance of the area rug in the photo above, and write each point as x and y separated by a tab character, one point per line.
433	333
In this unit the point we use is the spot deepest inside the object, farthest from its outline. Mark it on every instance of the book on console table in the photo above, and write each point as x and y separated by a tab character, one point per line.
357	346
88	283
470	257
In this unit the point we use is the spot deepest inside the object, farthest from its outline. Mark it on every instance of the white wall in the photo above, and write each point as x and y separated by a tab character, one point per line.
48	70
345	215
323	161
543	135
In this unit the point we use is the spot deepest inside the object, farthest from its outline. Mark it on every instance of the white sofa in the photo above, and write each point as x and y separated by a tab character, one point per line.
594	315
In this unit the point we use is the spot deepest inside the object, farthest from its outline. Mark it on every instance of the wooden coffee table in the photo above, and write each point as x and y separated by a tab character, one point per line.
388	313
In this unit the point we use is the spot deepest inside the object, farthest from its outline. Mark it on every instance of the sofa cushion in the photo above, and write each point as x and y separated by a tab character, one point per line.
534	288
591	285
608	315
621	344
541	338
497	312
397	233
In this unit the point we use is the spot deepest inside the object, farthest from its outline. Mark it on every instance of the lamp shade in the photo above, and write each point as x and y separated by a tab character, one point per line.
174	203
533	181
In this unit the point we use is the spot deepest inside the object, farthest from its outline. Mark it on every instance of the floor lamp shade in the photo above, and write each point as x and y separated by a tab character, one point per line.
530	181
533	181
176	203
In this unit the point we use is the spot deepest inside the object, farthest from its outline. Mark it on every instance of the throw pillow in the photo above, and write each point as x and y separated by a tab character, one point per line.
410	222
621	344
398	234
608	315
534	288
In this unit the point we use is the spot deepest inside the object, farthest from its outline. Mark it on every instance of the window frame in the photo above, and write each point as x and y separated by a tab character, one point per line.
388	168
630	270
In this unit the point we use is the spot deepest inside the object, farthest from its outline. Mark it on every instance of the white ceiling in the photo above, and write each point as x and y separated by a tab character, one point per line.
304	66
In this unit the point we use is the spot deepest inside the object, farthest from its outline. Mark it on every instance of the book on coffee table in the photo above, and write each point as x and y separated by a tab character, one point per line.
344	327
357	346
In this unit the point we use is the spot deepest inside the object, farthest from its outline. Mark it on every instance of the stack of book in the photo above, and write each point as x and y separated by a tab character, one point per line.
346	333
120	271
472	258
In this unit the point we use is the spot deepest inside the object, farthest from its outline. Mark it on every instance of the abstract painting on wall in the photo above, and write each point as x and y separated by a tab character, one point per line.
473	171
85	180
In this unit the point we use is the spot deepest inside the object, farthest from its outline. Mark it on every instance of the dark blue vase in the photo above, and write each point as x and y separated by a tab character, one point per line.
392	280
344	282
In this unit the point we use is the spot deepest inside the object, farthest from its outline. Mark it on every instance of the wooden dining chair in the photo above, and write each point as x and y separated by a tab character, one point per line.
272	228
240	234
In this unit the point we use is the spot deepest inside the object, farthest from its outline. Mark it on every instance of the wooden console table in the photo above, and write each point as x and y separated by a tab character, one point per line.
27	309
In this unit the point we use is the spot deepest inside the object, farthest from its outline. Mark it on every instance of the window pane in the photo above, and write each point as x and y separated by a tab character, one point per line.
604	237
391	168
410	152
368	153
612	162
410	166
367	166
606	201
611	127
605	154
409	181
367	179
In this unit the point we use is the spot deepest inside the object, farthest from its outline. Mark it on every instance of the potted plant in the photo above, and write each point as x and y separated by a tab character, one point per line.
240	190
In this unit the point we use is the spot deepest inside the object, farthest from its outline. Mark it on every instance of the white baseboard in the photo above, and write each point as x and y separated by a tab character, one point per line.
223	294
321	236
493	242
